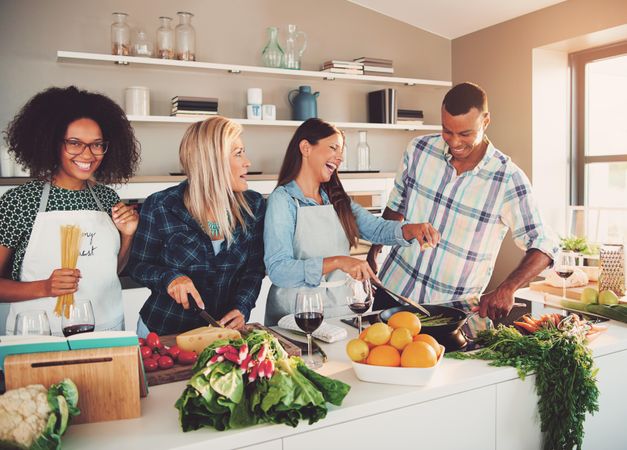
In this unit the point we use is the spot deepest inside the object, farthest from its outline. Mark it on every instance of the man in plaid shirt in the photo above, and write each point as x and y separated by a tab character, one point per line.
472	194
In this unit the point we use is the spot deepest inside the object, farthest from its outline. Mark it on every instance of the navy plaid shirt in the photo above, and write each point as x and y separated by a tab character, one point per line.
169	243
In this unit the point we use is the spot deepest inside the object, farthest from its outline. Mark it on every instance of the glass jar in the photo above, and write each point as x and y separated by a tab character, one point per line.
363	152
344	165
165	39
141	44
120	35
295	45
272	54
185	37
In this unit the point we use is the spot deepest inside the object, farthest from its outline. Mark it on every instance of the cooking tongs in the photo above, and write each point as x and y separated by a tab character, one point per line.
416	305
202	313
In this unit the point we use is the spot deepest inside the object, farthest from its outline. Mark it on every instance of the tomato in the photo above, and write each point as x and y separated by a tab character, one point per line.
152	340
142	341
162	351
146	352
174	352
186	357
165	362
150	365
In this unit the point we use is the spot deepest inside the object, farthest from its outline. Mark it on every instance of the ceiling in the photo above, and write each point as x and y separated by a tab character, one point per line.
454	18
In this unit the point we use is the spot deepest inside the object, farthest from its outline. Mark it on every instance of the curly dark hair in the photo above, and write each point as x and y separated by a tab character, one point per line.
36	133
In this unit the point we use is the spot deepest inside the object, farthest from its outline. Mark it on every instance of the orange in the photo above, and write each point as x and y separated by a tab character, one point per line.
418	354
357	350
378	334
405	319
429	340
400	338
384	355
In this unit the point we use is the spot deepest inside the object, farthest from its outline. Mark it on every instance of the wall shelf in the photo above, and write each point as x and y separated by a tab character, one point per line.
82	57
289	123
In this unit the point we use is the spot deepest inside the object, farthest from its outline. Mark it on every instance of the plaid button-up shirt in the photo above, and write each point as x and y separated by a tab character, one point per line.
472	211
169	243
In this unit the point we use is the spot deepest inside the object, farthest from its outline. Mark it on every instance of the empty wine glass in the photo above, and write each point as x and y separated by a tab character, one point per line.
308	313
81	319
359	298
564	266
32	323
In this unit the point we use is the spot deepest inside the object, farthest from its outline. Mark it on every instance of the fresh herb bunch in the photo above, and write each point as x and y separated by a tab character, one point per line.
565	377
579	245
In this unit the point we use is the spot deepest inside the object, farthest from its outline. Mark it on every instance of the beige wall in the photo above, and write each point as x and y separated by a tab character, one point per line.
228	32
499	58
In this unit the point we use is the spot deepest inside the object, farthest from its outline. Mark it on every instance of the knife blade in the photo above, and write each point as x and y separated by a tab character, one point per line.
202	313
315	348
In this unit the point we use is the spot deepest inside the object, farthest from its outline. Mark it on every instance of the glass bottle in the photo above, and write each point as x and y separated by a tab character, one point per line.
141	44
120	35
165	39
185	37
294	50
344	165
272	54
363	152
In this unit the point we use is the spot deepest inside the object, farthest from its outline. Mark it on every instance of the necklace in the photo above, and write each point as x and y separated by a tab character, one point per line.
214	228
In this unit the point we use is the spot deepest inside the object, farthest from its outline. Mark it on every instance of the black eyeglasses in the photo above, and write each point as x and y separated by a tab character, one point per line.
75	147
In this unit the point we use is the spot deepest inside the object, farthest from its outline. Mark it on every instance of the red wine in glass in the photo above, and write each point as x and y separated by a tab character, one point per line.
76	329
564	273
309	321
360	307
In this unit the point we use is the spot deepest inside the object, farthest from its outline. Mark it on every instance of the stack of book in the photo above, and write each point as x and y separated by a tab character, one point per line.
337	66
376	66
409	116
194	106
382	106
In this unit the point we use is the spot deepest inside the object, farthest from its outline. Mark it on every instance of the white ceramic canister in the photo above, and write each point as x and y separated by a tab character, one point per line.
137	101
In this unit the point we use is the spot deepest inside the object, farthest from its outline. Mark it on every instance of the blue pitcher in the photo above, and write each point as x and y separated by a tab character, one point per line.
303	103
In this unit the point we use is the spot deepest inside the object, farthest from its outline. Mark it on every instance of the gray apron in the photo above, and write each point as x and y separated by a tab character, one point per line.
318	233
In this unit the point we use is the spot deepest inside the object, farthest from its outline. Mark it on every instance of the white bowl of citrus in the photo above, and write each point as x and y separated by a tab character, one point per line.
396	352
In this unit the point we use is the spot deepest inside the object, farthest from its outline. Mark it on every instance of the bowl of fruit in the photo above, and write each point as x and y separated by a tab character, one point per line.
395	352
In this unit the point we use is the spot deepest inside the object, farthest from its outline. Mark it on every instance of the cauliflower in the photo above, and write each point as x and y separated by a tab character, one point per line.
34	417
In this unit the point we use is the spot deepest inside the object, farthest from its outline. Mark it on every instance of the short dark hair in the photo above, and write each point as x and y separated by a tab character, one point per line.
36	133
464	96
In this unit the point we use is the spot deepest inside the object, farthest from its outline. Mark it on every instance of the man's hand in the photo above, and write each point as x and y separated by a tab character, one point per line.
496	304
424	233
373	254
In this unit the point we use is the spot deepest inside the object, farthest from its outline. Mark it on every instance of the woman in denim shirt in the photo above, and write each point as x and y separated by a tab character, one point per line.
311	223
202	238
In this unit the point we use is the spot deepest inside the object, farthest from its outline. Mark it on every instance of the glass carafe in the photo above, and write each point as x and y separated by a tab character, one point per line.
185	37
120	35
272	54
141	44
293	48
363	152
165	39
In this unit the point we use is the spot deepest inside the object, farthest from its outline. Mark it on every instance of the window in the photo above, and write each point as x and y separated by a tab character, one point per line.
599	169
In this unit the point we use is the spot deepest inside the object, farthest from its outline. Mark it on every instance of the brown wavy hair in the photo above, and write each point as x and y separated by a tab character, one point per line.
313	130
36	133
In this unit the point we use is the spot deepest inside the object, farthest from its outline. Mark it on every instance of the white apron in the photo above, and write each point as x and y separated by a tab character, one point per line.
97	261
318	233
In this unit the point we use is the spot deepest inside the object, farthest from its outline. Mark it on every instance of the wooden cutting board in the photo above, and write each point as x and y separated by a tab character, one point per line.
179	372
571	292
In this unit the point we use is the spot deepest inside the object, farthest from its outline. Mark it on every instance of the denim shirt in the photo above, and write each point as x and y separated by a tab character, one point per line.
280	224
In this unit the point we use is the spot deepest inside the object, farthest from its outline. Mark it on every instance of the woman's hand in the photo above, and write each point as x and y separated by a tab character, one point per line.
125	218
356	268
62	281
180	287
233	319
424	233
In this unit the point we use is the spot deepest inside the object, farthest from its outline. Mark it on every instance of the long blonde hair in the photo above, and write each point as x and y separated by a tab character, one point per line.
205	153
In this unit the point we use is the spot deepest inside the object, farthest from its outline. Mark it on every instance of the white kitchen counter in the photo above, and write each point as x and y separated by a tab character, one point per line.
467	405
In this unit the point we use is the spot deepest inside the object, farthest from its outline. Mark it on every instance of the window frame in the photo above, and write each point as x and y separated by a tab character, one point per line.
579	160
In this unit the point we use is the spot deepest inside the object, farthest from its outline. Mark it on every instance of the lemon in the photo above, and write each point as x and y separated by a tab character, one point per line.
400	338
357	350
378	334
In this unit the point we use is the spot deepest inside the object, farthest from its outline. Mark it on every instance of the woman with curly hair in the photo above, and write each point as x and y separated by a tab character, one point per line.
68	138
311	223
202	240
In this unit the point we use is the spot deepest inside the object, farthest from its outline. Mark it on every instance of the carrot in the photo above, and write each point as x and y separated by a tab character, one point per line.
530	320
526	326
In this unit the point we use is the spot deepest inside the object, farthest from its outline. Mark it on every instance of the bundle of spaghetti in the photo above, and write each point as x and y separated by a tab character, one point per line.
70	245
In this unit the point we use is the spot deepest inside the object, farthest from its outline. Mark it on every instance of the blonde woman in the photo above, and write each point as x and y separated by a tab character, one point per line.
202	240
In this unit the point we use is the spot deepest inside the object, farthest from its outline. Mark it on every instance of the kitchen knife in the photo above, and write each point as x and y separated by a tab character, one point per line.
202	313
315	348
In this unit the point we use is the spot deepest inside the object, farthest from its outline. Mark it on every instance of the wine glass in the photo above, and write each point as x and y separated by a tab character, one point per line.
308	313
81	319
32	323
564	267
359	298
